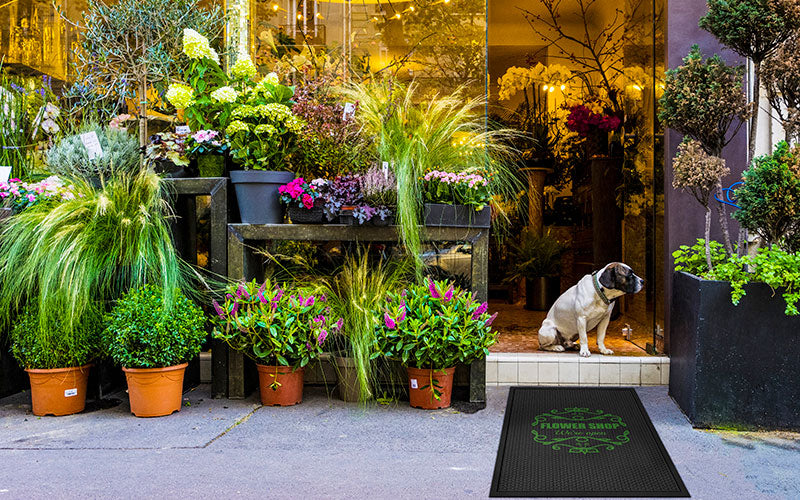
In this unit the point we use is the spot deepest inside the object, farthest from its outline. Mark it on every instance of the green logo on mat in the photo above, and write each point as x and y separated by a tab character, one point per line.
580	430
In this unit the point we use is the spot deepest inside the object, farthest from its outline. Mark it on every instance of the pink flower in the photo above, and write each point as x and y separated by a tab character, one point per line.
432	288
390	324
308	201
340	324
31	198
448	294
235	308
309	301
491	319
261	297
480	310
402	316
220	311
322	335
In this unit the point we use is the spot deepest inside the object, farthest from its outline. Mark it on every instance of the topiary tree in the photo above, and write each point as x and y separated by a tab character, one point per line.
753	29
769	200
699	173
131	45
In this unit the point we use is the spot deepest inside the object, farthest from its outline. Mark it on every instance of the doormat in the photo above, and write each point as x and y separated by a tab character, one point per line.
581	442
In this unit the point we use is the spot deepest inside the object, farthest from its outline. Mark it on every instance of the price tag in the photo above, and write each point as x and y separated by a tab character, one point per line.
5	173
70	393
92	145
183	130
386	170
414	384
349	111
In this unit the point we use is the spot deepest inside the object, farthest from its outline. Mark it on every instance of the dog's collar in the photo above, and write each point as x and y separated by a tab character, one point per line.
599	290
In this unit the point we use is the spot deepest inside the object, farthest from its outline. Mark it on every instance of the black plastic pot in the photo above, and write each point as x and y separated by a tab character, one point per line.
541	292
441	214
733	366
257	195
314	215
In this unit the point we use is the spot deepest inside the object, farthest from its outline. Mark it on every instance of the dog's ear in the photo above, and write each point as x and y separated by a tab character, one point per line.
608	278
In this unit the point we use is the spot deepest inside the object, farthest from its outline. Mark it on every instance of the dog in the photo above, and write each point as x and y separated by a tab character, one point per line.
586	305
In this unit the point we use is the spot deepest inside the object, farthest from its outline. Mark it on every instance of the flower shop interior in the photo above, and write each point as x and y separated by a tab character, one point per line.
567	91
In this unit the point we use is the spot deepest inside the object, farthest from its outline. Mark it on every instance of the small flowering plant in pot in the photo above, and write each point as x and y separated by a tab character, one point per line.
167	154
430	328
379	192
282	329
209	147
154	336
304	200
342	198
457	199
18	195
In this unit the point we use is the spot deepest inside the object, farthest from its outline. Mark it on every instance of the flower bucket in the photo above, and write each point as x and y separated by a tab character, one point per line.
421	385
290	390
257	195
155	392
58	391
299	215
211	165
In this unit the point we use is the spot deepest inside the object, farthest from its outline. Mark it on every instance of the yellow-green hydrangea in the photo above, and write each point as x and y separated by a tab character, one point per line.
243	68
274	111
196	46
272	78
244	111
225	95
265	129
180	95
237	126
295	124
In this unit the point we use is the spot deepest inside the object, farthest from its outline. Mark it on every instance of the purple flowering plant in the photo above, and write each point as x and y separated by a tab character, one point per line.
273	324
344	190
434	325
458	188
204	142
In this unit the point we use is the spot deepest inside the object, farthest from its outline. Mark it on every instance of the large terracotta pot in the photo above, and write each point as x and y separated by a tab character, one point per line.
155	392
58	391
290	390
422	381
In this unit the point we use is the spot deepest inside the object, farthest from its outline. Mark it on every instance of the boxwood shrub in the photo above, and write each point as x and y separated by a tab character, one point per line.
139	334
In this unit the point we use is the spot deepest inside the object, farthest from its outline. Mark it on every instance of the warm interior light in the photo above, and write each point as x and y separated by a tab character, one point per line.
636	87
275	7
544	87
551	89
563	87
398	16
300	16
319	15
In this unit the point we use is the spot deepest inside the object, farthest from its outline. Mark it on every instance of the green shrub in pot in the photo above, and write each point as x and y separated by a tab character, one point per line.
536	256
140	334
70	158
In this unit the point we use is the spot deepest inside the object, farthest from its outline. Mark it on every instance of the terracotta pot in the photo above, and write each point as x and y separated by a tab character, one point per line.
290	390
420	390
155	392
59	391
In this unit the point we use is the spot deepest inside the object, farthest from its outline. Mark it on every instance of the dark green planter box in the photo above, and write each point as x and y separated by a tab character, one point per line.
441	214
733	366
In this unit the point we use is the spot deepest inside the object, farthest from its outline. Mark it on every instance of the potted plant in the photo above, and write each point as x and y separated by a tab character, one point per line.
166	154
354	294
379	191
17	195
456	199
304	200
209	149
430	328
538	260
281	329
57	359
69	158
342	198
153	337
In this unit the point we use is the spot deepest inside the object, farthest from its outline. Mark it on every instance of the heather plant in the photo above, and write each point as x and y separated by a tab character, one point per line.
703	98
699	173
379	187
753	29
769	199
70	158
332	142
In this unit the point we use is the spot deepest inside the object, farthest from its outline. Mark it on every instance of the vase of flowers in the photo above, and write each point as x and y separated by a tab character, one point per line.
282	329
209	149
456	199
304	200
431	328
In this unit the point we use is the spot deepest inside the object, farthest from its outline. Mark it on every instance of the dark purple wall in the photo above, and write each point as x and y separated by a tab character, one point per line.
684	217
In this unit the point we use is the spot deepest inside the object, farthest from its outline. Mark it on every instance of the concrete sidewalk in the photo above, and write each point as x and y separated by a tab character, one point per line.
325	448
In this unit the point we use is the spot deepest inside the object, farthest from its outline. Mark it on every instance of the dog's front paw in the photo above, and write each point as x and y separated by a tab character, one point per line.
606	352
585	352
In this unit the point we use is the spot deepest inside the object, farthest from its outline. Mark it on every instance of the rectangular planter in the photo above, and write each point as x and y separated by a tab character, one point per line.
733	366
441	214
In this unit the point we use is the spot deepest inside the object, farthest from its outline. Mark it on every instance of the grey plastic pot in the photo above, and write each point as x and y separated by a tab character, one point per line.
257	194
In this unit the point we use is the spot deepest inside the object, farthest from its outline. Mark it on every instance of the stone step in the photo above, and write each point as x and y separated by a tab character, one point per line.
566	369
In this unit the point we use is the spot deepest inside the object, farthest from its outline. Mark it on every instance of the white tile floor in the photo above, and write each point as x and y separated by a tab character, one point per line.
569	369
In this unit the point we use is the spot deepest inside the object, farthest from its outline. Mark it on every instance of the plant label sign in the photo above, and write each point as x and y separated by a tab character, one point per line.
70	393
349	111
414	384
92	145
5	173
183	130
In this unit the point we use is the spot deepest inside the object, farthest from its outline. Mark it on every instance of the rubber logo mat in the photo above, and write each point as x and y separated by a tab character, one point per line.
580	430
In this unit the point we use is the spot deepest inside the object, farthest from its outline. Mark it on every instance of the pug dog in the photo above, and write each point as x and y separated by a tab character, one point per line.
587	305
